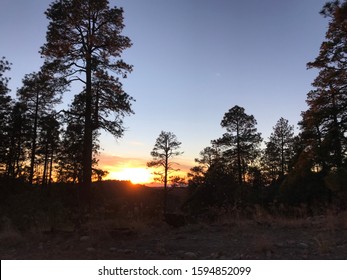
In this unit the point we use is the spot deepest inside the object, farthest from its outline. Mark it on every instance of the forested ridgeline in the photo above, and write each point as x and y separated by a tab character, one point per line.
48	157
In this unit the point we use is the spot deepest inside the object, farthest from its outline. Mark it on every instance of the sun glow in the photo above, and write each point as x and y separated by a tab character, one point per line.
135	175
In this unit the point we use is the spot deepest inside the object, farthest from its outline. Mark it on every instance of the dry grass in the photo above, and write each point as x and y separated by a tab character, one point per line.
9	236
331	222
127	223
261	216
290	223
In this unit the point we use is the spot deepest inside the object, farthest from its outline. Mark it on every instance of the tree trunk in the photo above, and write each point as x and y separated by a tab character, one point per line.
239	167
282	155
336	139
16	168
165	174
88	132
11	159
33	140
45	166
51	167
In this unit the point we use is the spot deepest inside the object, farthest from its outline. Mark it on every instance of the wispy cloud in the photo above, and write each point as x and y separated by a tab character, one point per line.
115	163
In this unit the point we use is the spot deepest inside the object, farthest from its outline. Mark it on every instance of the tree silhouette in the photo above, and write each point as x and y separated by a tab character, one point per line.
70	154
19	137
5	107
165	148
48	143
241	142
326	119
212	167
109	99
4	66
84	42
39	93
198	173
279	148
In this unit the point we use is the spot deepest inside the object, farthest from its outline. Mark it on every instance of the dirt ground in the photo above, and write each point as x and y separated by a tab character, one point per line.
321	237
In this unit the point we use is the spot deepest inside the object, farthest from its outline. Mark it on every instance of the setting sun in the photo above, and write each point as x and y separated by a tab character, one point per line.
135	175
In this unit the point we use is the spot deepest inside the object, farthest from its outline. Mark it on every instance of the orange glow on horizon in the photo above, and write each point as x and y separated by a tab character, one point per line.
136	171
137	175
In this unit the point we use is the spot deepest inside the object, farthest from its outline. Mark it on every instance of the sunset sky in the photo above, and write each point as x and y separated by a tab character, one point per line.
193	60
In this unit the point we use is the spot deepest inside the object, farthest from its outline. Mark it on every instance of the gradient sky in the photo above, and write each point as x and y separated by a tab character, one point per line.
193	61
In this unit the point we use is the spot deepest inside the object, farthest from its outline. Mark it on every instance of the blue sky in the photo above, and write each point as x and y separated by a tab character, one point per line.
193	60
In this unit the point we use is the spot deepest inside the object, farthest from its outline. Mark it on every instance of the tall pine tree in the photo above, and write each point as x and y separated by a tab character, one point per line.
84	42
279	149
324	124
39	93
241	142
5	107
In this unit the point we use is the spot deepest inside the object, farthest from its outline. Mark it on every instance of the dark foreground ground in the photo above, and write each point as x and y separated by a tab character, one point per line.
125	222
321	237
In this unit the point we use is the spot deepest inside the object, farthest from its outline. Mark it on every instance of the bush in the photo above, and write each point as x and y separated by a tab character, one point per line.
300	188
336	182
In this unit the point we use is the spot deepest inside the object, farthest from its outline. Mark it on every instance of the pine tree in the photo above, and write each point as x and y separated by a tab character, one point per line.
84	42
279	149
19	141
48	143
324	124
165	148
5	107
70	153
241	142
39	93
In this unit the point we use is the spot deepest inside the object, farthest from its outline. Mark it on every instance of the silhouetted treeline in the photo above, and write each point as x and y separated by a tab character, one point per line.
309	168
26	207
40	144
